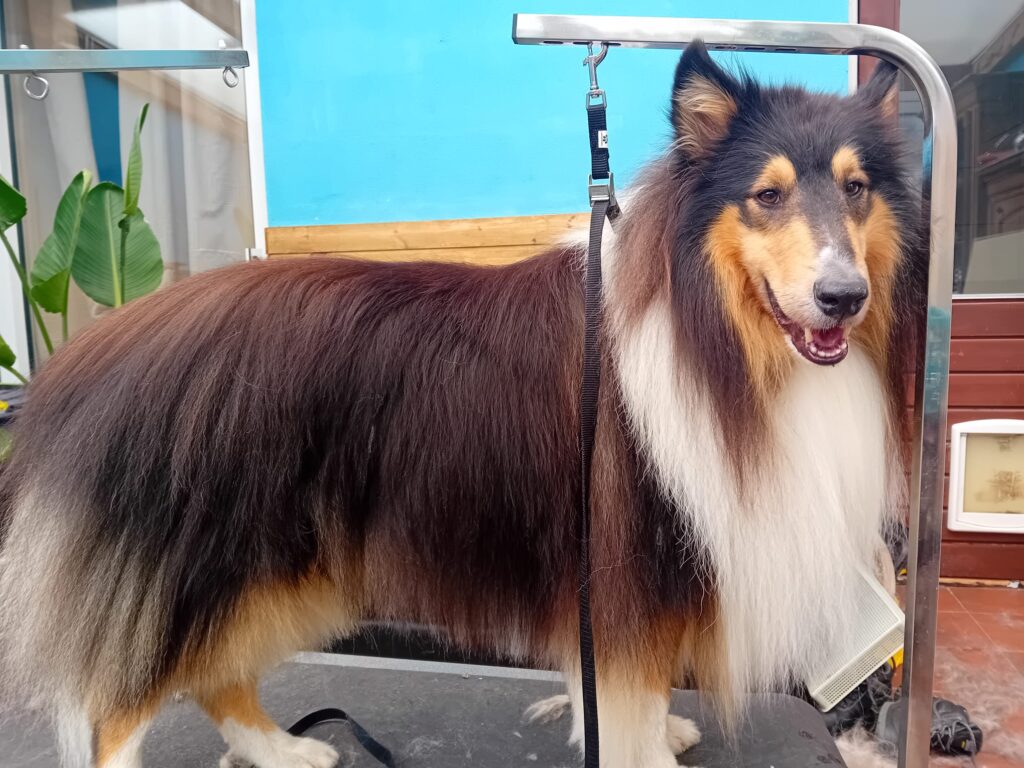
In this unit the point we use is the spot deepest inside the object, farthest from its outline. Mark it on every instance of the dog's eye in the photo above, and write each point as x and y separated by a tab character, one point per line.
854	188
769	196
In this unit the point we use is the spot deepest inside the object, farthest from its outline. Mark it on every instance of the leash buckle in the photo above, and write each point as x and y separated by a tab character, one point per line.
601	191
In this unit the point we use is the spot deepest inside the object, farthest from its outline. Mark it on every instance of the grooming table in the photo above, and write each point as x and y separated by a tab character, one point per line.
439	715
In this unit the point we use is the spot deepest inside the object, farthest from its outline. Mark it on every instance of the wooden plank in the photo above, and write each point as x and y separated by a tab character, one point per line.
999	318
417	235
959	415
984	560
991	389
986	355
985	390
493	256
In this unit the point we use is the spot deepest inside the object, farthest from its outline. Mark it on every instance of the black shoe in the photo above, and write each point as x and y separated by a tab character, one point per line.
861	705
953	733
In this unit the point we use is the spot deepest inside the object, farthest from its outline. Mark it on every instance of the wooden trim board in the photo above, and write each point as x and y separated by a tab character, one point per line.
500	240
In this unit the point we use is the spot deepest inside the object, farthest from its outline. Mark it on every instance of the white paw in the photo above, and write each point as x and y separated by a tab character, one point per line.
278	749
310	753
681	734
548	710
231	760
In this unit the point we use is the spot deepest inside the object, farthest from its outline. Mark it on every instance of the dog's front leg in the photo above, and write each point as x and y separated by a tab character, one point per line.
636	729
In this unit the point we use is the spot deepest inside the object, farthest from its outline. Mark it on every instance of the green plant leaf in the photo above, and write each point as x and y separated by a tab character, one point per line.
6	444
51	270
12	205
7	356
96	264
133	173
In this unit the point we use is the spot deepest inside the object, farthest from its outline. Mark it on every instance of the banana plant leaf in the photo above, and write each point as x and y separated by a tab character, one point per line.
96	264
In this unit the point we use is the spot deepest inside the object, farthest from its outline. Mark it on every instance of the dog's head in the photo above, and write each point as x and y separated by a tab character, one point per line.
793	201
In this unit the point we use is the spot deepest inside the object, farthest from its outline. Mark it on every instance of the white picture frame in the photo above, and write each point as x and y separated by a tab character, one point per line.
986	477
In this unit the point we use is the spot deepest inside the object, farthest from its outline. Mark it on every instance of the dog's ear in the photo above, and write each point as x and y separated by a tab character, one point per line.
882	91
704	101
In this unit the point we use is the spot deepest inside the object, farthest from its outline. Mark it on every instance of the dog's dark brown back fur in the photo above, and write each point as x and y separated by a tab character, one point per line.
411	426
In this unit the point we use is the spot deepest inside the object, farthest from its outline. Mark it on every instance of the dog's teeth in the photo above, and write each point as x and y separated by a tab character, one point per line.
808	336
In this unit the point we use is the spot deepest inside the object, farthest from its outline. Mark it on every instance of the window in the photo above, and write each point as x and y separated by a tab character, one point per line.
980	47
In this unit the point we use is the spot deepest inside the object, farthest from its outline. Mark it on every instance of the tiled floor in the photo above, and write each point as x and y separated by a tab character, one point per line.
980	665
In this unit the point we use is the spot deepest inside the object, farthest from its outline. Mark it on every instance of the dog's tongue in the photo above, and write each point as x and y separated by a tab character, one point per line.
827	339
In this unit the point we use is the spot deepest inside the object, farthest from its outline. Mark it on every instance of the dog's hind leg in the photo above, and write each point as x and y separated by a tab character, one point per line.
269	625
254	739
118	737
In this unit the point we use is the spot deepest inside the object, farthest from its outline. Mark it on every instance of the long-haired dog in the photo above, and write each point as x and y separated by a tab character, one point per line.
260	458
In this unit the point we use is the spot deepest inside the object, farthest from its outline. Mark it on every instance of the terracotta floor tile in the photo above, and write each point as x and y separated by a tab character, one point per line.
1017	659
980	647
993	760
992	663
1005	629
989	599
960	630
1014	723
948	602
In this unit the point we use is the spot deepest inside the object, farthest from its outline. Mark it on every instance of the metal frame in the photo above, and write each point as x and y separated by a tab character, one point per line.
931	386
254	126
27	61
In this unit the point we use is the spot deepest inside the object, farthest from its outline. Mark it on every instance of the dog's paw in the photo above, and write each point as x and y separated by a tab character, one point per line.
284	751
681	734
548	710
310	753
231	760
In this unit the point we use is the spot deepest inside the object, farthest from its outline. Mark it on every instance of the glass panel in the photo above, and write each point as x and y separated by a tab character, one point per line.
980	47
145	24
195	189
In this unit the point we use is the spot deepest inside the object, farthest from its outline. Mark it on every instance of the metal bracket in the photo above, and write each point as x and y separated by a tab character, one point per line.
932	381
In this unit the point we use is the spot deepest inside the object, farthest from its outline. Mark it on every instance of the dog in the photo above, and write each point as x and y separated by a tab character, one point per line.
259	458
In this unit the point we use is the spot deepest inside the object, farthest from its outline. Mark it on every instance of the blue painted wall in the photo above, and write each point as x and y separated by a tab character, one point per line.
399	110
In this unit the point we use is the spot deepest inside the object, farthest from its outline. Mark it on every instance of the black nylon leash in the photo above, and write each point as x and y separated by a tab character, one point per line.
601	191
602	206
335	715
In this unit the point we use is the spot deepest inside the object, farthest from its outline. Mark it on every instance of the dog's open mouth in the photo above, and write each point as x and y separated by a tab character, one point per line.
824	346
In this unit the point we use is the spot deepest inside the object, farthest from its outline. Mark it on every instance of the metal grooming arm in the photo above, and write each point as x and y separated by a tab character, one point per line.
28	61
933	358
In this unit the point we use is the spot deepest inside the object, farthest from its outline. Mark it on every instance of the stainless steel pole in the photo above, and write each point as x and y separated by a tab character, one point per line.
933	362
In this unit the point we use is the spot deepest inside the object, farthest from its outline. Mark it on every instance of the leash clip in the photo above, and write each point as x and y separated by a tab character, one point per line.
591	61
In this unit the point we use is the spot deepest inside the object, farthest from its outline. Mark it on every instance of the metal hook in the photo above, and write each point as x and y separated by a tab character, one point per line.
40	94
230	77
591	62
35	76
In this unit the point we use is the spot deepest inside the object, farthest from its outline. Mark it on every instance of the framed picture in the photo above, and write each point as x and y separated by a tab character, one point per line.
986	476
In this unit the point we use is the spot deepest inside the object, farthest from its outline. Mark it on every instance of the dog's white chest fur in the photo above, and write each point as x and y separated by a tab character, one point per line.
784	553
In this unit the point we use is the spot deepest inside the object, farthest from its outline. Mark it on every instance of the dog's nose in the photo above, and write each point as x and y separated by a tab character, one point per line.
840	297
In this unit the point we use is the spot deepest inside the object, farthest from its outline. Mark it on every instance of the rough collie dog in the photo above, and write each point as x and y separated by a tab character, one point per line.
260	458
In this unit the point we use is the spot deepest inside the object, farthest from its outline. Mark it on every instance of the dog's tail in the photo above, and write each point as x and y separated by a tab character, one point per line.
140	507
80	615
